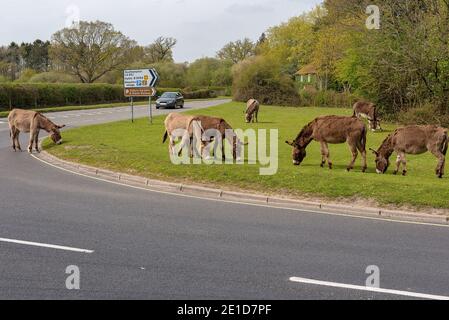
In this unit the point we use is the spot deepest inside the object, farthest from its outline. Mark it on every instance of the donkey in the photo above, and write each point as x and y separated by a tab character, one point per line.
333	130
413	140
252	111
177	121
32	122
223	127
369	111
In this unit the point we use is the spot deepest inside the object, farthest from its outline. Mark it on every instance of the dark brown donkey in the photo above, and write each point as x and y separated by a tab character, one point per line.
413	140
32	122
333	130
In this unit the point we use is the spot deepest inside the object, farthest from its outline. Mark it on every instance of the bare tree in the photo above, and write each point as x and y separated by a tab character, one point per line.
161	50
91	50
237	51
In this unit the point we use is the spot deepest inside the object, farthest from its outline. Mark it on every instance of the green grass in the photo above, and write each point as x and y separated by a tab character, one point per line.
4	114
137	149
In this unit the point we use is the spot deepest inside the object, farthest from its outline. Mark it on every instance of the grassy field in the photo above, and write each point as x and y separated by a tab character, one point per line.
138	149
4	114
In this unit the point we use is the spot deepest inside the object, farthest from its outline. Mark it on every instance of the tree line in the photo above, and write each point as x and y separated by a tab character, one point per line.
403	66
95	52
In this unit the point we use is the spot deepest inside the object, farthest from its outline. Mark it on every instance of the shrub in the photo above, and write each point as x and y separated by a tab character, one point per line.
53	77
41	95
423	115
328	99
259	78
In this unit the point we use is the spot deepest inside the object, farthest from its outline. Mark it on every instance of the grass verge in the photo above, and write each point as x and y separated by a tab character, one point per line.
137	149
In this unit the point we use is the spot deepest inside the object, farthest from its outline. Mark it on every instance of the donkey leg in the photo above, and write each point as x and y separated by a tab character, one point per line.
324	152
17	140
441	164
36	142
12	132
398	164
30	144
355	154
404	164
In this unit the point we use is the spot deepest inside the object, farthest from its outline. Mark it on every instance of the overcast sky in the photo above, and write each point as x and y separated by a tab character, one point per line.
202	27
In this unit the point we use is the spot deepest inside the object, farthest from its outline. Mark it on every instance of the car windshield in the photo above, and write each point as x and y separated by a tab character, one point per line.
169	95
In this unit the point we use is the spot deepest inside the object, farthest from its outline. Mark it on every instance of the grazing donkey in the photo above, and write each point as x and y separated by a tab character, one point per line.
333	130
32	122
369	111
219	124
413	140
177	121
252	111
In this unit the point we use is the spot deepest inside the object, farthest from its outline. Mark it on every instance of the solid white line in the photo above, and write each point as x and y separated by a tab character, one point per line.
369	289
44	245
307	211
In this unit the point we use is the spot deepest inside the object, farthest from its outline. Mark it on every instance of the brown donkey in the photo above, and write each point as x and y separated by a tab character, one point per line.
413	140
223	127
333	130
369	111
252	111
32	122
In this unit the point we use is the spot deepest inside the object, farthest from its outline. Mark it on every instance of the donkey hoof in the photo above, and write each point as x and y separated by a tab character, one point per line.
395	173
404	173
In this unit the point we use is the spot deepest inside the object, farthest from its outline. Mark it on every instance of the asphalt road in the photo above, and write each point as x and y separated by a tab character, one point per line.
155	246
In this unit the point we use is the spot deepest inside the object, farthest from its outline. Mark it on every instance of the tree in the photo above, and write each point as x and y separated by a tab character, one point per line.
91	50
161	50
206	72
36	55
237	51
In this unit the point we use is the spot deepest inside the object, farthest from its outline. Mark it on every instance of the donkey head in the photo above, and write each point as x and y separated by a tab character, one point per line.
248	117
55	134
299	153
382	163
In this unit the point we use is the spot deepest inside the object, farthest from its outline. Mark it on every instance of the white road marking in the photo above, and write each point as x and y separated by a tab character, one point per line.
44	245
307	211
369	289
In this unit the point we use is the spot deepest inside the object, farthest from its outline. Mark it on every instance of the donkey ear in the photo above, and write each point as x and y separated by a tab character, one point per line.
290	143
374	151
60	127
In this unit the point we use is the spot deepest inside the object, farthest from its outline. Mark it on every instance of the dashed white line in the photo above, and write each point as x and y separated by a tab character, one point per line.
369	289
45	245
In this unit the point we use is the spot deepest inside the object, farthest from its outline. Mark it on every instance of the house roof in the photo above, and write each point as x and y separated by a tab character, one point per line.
308	69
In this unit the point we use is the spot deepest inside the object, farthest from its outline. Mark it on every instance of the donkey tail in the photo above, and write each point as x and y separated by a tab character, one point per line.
445	143
165	136
364	138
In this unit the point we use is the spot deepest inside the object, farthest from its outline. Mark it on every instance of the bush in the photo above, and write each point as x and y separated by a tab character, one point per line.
53	77
423	115
328	99
259	78
39	95
42	95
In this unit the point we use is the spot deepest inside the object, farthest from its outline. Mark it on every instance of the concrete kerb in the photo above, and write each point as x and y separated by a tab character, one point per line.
211	193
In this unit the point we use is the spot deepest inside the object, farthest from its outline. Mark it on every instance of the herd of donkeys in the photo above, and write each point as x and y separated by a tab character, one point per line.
326	130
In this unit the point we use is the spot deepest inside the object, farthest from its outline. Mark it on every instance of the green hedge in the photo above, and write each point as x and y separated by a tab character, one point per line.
42	95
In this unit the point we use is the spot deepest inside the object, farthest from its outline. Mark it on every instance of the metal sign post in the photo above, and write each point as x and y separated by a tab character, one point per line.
132	109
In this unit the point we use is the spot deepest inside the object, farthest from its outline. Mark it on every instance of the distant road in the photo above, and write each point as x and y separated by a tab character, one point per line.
135	244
